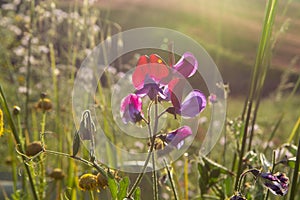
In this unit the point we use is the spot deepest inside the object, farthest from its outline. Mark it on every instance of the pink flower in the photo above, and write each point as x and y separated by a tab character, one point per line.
153	67
176	137
131	108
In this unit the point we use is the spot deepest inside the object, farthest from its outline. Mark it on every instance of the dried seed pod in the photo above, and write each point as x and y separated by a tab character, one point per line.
57	174
88	182
45	104
33	148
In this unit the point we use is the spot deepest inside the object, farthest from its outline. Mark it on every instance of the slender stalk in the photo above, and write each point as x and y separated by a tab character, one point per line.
139	178
154	175
241	177
154	178
86	162
42	177
152	137
186	178
243	147
294	189
28	67
171	180
11	123
257	78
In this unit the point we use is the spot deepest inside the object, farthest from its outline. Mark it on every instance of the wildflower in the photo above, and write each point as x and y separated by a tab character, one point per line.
212	98
153	67
16	110
92	182
150	88
192	105
88	182
45	104
1	123
176	137
33	148
131	107
57	174
277	183
187	65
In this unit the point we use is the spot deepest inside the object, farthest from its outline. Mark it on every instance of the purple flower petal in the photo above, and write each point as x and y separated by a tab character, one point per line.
150	88
131	107
277	183
187	65
193	104
176	137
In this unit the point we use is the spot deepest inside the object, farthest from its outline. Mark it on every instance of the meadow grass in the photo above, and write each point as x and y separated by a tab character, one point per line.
260	134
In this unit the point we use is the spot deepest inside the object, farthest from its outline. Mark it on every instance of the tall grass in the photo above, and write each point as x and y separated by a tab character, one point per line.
66	35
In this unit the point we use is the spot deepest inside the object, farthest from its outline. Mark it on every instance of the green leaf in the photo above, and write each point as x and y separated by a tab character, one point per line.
123	186
264	162
291	162
76	143
137	194
113	187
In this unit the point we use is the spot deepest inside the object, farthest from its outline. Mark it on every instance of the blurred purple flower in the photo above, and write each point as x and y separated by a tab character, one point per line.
176	137
187	65
131	107
277	183
212	98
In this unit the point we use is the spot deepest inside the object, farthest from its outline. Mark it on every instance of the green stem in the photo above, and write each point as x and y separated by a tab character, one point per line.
294	189
42	166
154	175
186	178
11	123
152	137
28	70
171	180
86	162
243	147
139	178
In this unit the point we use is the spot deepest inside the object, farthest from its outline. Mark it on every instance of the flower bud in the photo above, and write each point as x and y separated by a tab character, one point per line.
16	110
57	174
88	182
45	104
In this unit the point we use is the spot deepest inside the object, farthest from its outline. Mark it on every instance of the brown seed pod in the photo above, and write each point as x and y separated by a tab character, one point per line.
88	182
16	110
45	104
57	174
33	148
102	181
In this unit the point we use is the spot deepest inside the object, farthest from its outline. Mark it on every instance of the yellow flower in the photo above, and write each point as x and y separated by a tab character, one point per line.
45	104
88	182
1	123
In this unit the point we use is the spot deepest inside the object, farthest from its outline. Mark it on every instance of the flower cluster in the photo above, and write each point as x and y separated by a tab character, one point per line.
152	77
92	182
277	183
